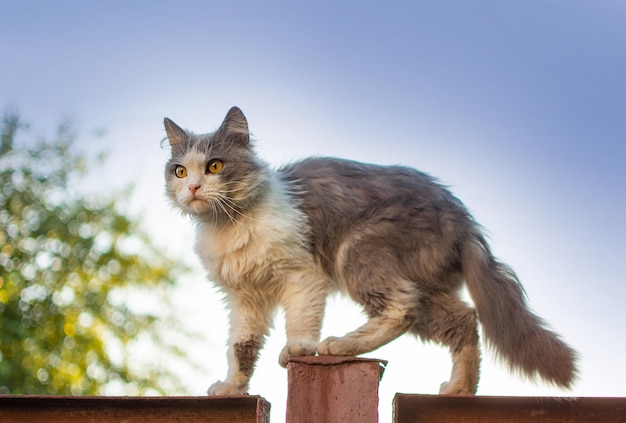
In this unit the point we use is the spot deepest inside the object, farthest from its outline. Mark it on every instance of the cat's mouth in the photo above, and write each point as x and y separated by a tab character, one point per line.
196	204
197	201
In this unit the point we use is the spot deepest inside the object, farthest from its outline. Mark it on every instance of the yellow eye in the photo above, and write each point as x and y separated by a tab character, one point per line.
180	171
214	166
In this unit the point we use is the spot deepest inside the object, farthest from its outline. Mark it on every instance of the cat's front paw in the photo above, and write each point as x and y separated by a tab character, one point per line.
296	348
225	389
337	346
448	388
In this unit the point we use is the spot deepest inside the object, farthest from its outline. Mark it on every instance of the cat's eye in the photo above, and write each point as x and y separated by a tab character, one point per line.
214	166
180	171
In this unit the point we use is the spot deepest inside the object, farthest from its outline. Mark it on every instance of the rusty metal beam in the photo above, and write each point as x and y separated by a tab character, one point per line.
46	409
410	408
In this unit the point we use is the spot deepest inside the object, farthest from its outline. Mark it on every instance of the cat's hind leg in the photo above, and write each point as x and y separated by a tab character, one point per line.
370	275
391	313
451	322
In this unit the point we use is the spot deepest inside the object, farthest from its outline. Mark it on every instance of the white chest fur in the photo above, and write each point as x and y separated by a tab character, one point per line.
257	249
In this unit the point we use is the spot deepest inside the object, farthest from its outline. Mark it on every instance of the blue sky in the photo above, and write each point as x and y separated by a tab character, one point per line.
519	106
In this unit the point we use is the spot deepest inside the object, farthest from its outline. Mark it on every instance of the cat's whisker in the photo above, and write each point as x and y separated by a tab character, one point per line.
231	205
220	203
244	195
236	223
242	187
214	211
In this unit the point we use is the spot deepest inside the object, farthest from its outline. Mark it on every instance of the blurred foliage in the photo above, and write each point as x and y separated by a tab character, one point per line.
68	266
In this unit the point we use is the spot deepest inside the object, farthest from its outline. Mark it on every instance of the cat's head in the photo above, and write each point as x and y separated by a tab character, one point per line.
214	177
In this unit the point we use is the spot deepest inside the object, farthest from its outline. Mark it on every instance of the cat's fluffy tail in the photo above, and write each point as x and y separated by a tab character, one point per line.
517	335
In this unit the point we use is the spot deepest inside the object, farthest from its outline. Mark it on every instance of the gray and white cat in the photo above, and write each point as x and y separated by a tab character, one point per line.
391	238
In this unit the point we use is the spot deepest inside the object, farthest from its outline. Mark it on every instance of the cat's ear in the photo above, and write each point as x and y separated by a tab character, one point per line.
175	134
235	126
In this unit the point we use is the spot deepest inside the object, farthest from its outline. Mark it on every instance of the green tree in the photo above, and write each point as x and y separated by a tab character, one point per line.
68	264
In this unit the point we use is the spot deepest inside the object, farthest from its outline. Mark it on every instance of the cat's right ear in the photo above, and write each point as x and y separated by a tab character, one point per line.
175	134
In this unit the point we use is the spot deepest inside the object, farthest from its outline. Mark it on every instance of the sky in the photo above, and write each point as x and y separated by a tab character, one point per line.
518	106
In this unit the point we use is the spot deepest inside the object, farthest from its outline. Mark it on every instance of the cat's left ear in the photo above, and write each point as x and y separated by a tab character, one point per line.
175	134
235	126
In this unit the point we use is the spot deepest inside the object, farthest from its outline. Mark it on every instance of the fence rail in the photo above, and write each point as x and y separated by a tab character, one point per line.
409	408
51	409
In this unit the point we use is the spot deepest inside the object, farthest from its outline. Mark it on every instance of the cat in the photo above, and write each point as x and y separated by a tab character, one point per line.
391	238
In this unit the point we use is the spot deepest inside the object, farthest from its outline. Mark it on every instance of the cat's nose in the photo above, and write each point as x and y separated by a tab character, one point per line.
193	188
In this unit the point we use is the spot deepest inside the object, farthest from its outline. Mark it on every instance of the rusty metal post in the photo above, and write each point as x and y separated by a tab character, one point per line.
333	389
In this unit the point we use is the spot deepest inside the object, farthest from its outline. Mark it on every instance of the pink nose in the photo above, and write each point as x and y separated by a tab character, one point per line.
194	188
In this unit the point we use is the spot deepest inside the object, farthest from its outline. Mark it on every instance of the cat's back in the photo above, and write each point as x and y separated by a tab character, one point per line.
343	200
344	185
